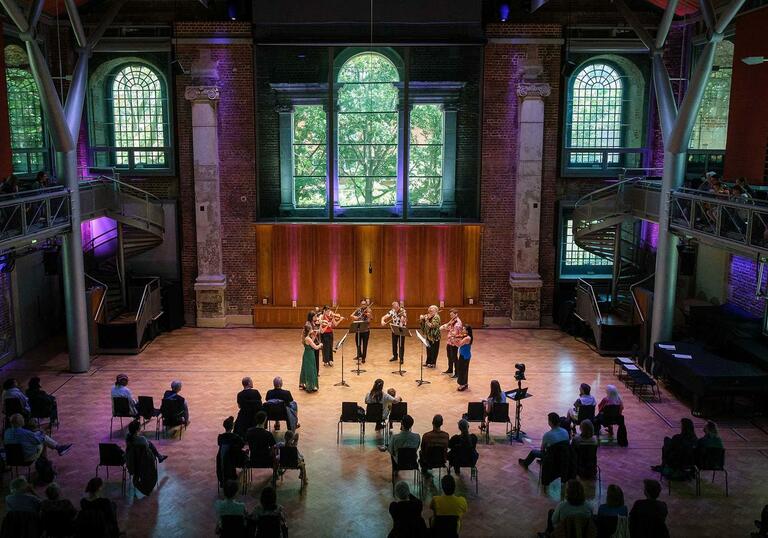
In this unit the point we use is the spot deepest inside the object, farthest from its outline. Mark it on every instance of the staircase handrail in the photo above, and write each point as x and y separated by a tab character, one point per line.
705	196
103	297
601	193
122	184
145	294
592	295
147	297
91	245
634	298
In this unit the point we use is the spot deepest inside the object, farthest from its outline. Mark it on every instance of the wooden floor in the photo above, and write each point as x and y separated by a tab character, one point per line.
349	485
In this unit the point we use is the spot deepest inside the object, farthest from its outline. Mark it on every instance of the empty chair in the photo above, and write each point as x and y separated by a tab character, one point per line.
111	455
287	459
276	412
146	409
475	412
349	414
14	458
42	410
710	459
121	408
499	413
407	461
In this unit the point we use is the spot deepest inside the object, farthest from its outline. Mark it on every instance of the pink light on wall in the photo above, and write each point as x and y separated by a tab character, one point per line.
402	248
649	234
293	240
441	262
334	258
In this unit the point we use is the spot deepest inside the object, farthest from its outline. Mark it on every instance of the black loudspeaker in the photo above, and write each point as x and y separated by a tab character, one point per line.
173	306
687	253
51	262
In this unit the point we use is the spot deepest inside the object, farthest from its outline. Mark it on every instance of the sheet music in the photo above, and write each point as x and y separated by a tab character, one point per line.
682	356
668	347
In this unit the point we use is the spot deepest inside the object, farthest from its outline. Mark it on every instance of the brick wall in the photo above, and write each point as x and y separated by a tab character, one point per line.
237	149
742	285
6	320
501	75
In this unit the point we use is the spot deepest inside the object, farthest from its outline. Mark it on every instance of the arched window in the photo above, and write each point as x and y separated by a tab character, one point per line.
596	110
25	117
367	131
140	129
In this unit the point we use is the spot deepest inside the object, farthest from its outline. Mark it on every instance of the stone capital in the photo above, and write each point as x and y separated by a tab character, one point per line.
284	108
201	93
533	90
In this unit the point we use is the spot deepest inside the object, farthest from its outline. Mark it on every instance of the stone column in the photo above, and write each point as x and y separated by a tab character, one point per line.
211	284
285	115
450	113
525	279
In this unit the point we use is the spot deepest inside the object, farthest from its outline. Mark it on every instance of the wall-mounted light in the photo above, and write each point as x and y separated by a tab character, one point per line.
471	300
370	267
754	60
442	304
293	303
504	12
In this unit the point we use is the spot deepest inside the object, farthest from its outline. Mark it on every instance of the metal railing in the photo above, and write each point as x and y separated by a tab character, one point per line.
587	288
102	302
634	297
34	214
150	306
588	161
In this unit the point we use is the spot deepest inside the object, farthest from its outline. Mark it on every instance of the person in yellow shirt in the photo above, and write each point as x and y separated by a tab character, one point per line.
448	504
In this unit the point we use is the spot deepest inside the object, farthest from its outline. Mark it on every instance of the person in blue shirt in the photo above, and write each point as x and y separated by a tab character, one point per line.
32	443
22	497
614	503
556	434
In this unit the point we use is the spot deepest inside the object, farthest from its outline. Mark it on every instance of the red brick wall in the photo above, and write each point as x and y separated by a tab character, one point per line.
748	114
501	75
6	321
742	285
237	149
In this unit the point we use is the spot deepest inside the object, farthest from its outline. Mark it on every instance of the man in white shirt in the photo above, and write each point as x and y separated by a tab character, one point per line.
405	439
121	390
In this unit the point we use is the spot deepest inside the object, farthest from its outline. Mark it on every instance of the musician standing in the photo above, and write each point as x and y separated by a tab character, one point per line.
363	313
430	326
398	317
328	320
313	318
455	329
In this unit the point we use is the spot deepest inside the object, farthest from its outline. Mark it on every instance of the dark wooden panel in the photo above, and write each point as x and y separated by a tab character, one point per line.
287	317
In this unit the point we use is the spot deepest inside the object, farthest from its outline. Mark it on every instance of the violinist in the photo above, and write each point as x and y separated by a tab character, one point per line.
328	320
363	313
398	317
313	318
430	326
455	328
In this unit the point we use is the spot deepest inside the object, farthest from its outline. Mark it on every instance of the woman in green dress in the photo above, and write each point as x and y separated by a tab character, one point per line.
308	376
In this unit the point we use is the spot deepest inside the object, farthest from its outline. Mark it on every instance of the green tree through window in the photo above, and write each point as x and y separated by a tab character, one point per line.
711	128
425	177
309	157
26	122
138	108
596	113
367	131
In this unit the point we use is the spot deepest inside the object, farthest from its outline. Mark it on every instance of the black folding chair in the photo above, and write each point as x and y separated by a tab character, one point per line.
270	526
475	412
585	412
435	457
374	412
42	410
111	455
232	527
555	463
12	406
609	416
349	414
396	414
499	413
445	526
258	461
276	412
14	458
586	465
146	409
710	459
171	416
606	526
287	459
121	408
684	467
407	461
463	461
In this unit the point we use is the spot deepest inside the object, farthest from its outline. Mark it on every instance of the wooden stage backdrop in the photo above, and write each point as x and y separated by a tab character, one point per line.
316	264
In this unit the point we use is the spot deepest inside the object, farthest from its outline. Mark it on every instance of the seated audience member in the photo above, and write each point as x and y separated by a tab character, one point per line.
228	506
433	438
57	511
742	182
279	395
377	395
261	442
574	505
585	398
22	497
761	524
449	504
32	443
291	439
611	398
711	438
96	511
406	514
173	394
135	441
614	503
269	509
556	434
586	434
678	448
41	180
648	516
405	439
462	447
496	395
231	447
121	390
41	400
249	403
10	185
11	390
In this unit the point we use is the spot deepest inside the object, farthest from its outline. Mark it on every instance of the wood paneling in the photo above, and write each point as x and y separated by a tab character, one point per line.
286	317
316	264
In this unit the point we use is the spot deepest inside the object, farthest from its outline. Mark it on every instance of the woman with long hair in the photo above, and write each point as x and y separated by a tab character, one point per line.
496	395
462	447
308	376
465	354
377	395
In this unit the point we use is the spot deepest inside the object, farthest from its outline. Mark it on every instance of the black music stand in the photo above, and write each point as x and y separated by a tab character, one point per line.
355	328
518	395
424	344
401	332
341	383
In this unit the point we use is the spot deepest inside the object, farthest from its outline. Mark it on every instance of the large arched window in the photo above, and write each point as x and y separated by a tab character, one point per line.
367	131
140	129
28	148
597	94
